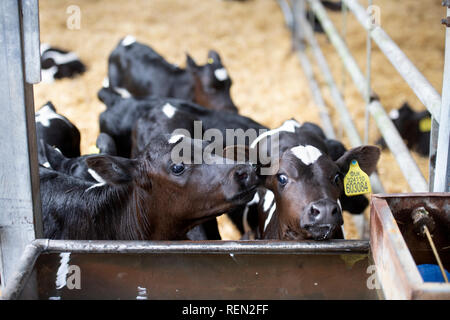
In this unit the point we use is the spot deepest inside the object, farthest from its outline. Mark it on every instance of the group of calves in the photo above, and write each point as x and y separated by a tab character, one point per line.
134	188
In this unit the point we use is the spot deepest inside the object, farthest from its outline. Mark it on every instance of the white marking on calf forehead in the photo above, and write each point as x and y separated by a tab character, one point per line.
128	40
60	58
175	138
221	74
124	93
268	200
307	154
287	126
45	114
269	217
394	114
169	110
97	178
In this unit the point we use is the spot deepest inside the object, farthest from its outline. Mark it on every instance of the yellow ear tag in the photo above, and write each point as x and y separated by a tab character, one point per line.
210	60
93	149
356	181
425	125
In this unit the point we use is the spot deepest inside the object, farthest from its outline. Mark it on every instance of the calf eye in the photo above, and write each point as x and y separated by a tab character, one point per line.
177	169
337	178
282	179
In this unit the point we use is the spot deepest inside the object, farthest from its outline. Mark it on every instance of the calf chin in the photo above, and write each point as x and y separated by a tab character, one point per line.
323	231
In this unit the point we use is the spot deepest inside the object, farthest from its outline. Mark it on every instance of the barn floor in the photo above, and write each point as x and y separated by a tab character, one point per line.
268	83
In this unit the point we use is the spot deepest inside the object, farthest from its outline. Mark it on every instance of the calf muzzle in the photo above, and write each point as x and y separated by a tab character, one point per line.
322	219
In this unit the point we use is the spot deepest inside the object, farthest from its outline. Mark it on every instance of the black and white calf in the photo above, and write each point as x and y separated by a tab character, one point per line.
135	69
147	198
57	64
414	127
57	131
301	200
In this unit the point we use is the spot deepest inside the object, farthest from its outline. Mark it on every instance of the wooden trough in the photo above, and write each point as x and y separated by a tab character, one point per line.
397	249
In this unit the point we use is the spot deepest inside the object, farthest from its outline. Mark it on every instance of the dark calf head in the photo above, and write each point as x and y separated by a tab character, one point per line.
307	188
212	83
76	167
173	196
408	124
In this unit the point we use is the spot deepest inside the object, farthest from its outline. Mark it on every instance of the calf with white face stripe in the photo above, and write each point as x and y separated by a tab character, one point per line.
307	187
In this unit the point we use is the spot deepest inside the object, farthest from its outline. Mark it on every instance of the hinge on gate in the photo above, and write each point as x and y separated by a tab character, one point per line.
446	3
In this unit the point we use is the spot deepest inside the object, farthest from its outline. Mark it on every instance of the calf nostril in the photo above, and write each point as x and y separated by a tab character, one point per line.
334	212
242	175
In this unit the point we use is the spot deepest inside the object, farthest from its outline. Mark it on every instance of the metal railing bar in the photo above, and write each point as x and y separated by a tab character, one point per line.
407	164
426	93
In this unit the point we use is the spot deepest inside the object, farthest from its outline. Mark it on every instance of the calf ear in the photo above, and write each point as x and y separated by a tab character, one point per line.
367	157
190	64
105	143
213	57
53	155
50	105
112	170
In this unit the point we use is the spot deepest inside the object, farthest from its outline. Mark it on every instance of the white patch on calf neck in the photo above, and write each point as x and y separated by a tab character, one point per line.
307	154
255	200
46	164
269	217
268	200
169	110
128	40
394	114
221	74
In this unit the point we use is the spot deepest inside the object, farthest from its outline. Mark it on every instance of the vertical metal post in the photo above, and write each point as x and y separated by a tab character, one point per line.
20	216
442	170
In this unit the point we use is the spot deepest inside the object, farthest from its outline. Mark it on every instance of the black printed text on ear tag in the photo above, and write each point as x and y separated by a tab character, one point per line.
356	181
